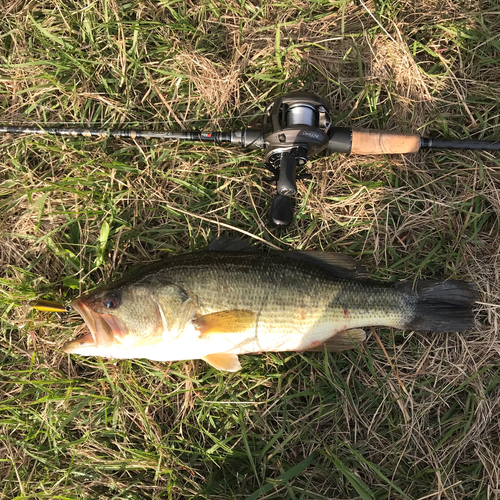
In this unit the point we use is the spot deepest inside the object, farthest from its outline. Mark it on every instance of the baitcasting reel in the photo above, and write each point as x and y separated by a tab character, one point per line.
295	127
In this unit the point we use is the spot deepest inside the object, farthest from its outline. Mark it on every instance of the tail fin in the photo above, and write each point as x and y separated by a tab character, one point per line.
441	306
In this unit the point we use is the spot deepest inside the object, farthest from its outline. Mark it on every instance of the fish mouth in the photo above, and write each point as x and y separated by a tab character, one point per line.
104	329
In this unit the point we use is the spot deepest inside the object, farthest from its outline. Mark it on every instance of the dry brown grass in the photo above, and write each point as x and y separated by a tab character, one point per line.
423	412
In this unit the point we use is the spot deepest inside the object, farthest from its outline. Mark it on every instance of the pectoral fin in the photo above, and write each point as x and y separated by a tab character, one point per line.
223	361
232	321
341	341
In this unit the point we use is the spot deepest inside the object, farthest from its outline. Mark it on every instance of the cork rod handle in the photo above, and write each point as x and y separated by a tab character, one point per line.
375	142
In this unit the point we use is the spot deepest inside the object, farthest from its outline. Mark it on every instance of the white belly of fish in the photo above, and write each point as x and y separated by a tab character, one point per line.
260	338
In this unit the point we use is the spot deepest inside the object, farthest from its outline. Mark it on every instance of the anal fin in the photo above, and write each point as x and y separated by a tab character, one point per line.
341	341
223	361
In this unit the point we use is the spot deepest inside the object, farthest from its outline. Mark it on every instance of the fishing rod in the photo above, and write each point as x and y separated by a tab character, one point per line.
295	127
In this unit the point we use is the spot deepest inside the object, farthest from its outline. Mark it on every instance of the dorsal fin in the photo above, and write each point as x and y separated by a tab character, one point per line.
226	243
342	266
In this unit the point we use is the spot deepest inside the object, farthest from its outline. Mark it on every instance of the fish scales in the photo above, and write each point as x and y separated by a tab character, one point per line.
216	305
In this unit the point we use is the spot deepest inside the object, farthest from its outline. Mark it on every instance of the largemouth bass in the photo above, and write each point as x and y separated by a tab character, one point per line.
230	300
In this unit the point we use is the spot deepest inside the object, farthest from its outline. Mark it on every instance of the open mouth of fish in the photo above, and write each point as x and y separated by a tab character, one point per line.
104	329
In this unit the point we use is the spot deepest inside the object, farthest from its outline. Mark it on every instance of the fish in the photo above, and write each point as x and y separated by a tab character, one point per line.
232	299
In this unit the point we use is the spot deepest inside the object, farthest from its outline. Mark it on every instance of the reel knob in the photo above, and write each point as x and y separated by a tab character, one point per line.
280	214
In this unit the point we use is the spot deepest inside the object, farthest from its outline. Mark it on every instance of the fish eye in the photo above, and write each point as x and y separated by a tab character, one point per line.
111	302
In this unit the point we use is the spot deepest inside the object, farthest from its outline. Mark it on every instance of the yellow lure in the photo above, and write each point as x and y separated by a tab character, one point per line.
47	306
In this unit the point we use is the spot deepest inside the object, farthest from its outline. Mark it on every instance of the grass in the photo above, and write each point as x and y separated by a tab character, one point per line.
415	420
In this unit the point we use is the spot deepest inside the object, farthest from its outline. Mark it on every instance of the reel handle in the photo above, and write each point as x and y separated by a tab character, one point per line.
287	180
280	214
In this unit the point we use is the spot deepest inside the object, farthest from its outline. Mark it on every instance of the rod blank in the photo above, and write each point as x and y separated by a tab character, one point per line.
132	134
426	143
